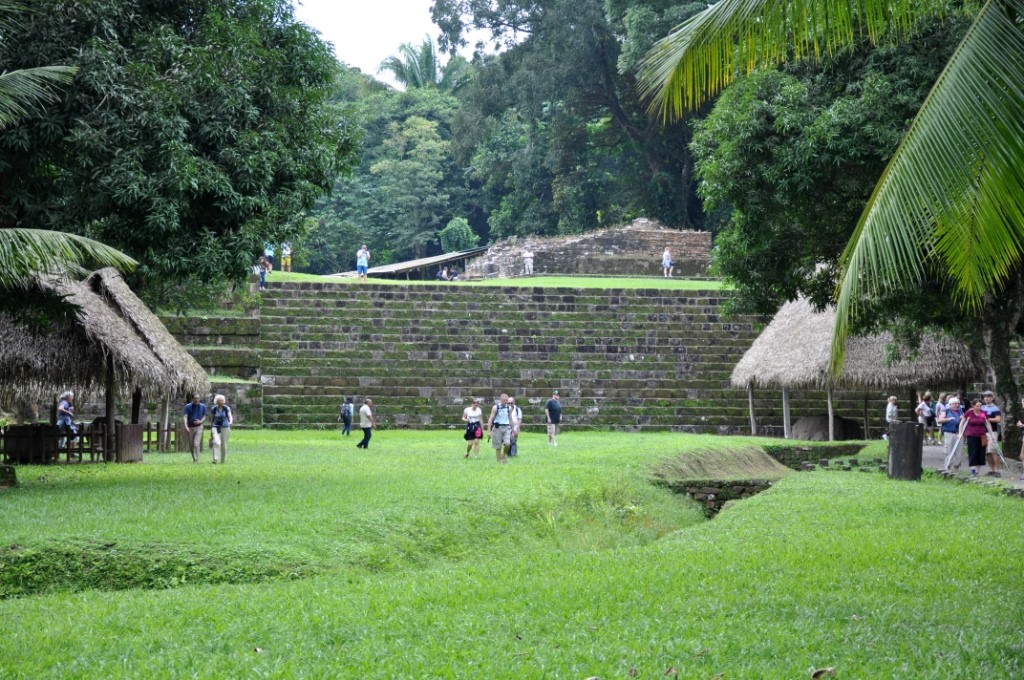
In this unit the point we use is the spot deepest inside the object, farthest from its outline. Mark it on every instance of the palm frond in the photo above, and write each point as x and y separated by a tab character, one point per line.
26	254
707	52
953	194
21	91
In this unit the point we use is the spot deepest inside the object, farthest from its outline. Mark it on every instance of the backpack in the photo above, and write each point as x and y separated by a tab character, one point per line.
346	410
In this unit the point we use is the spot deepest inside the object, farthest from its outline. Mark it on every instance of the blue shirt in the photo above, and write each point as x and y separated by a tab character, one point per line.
954	424
362	258
195	411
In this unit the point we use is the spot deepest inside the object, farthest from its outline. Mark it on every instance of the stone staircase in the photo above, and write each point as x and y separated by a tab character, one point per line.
621	359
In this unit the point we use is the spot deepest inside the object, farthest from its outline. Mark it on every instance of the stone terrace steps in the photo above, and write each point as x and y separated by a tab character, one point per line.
621	358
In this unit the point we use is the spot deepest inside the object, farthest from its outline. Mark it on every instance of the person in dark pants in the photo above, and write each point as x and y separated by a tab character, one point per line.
974	426
367	423
347	411
195	415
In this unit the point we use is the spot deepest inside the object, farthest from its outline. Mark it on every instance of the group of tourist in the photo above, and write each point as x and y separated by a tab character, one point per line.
265	264
503	424
948	421
367	421
221	419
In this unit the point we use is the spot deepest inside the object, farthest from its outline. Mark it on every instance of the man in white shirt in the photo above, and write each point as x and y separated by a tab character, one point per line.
367	423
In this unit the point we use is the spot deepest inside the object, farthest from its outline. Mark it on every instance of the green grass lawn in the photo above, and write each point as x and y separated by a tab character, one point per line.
305	557
646	282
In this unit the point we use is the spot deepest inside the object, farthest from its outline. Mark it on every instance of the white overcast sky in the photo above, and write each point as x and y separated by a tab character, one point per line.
365	32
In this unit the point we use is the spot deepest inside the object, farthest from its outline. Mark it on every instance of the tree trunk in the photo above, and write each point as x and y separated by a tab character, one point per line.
998	320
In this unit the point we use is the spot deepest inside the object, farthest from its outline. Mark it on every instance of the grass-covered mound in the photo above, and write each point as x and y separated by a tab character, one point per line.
720	463
565	564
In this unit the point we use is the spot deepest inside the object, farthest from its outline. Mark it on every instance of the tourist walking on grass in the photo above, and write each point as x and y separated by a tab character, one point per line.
367	423
362	262
221	420
517	420
553	414
473	416
195	415
973	427
995	420
666	263
348	410
949	424
499	428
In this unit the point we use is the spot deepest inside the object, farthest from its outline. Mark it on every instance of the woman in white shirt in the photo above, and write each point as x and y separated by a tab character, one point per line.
472	416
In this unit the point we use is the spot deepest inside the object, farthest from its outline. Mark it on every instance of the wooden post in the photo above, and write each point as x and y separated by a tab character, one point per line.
136	405
906	445
750	401
109	439
785	412
867	426
831	415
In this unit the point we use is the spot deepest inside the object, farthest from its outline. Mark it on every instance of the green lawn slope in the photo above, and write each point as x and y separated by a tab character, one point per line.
408	561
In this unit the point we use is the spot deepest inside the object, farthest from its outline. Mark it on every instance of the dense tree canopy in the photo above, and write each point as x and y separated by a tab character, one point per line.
794	154
193	132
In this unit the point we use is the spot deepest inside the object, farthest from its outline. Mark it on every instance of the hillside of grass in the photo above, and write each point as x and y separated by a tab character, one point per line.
409	561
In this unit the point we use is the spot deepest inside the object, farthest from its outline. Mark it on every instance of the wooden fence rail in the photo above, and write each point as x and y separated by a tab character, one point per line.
41	444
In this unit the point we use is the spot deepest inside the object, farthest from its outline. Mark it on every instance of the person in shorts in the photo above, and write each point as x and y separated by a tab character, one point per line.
286	257
362	262
473	416
553	414
500	426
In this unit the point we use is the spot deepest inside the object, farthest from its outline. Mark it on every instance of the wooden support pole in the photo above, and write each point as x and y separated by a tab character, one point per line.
785	413
867	421
136	405
831	416
750	402
109	439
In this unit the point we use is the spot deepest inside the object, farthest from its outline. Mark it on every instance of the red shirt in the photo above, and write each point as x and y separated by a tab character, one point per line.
975	423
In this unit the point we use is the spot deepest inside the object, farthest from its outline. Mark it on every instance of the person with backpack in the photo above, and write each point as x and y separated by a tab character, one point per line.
222	420
345	417
473	417
500	426
517	417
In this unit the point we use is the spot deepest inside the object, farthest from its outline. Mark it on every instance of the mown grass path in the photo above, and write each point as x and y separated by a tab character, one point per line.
408	561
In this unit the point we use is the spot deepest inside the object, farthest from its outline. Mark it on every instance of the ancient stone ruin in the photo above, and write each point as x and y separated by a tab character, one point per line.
631	250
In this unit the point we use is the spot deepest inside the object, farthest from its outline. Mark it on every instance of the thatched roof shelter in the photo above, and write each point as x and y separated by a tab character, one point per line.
793	351
114	340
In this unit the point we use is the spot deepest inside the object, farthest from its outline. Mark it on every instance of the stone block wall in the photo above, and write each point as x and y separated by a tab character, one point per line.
622	359
796	456
228	348
632	250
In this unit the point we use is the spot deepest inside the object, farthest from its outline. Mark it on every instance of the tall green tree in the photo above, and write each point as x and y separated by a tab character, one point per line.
569	137
793	154
420	67
950	200
194	131
26	254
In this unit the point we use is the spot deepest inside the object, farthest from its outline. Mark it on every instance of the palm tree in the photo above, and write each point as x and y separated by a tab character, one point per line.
417	67
951	199
27	253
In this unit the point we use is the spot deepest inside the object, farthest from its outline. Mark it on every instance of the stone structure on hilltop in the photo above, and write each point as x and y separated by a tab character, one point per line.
631	250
